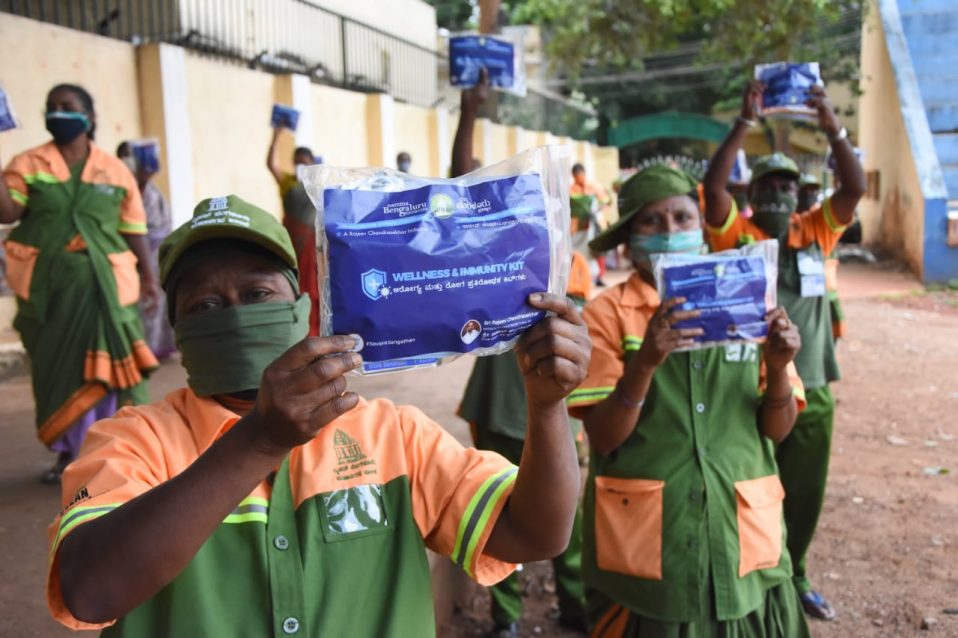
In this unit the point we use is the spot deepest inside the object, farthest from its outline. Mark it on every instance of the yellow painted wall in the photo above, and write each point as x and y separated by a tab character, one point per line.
498	143
36	56
413	131
895	221
342	137
229	122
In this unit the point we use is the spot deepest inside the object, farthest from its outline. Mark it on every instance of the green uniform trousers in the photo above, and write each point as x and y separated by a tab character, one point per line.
803	465
506	596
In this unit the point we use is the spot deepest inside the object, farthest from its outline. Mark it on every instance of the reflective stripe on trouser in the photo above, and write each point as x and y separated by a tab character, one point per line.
803	465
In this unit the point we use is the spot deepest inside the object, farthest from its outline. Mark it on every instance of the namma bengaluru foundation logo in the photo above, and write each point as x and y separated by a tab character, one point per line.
441	206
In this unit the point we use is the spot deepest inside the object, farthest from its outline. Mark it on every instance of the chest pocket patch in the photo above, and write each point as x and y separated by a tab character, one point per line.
354	512
741	352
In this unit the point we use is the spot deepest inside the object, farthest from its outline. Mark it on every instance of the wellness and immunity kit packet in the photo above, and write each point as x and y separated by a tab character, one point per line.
425	269
734	290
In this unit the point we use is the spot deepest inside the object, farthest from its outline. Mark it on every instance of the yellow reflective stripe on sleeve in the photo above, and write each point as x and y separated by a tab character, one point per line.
18	197
250	510
583	396
833	224
132	229
732	214
476	518
630	343
79	515
40	178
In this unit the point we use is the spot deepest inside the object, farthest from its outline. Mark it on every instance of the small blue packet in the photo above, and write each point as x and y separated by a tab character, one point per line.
7	119
501	58
147	154
741	173
734	290
284	117
787	88
425	270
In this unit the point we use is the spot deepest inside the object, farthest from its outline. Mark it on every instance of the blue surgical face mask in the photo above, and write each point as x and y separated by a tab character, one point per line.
644	246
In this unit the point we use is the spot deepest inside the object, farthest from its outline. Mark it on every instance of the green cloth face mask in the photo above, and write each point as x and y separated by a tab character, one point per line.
644	246
226	350
772	212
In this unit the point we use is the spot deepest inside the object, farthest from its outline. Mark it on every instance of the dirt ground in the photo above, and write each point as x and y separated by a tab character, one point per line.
887	550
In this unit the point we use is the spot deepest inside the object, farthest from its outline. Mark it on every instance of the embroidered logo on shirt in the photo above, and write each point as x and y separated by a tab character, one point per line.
351	460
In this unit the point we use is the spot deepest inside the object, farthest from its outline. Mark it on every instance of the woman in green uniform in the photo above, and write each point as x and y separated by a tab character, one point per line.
72	262
683	534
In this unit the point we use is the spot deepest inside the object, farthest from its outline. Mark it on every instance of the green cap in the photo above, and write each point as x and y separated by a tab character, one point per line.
648	185
774	163
226	218
807	179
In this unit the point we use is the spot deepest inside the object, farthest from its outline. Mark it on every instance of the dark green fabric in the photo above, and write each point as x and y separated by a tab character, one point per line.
648	185
774	163
815	361
803	464
227	350
698	433
778	616
567	566
241	584
226	218
73	306
495	397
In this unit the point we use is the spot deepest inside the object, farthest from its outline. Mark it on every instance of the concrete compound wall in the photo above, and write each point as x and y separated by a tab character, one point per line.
212	117
893	216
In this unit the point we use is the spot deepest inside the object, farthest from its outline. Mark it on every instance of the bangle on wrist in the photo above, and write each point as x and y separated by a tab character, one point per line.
624	400
777	403
747	122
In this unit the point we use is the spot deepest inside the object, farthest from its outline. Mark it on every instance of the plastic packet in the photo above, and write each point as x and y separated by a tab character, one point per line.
284	117
787	88
734	289
428	269
147	153
502	56
8	120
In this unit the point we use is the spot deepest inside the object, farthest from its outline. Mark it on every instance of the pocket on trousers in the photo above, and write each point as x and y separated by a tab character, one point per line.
126	276
21	260
759	506
628	526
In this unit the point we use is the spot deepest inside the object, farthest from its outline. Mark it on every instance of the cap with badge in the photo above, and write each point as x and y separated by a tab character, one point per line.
226	218
648	185
774	163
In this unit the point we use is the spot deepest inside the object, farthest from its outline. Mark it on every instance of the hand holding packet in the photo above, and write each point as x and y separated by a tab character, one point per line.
147	154
7	119
734	290
787	89
428	269
284	117
500	56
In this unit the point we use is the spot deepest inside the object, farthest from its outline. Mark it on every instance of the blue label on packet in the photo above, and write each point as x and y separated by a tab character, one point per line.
787	85
470	53
7	120
730	292
438	269
284	117
147	156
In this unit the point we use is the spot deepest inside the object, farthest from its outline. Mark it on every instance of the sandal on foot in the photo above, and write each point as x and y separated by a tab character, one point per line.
816	606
